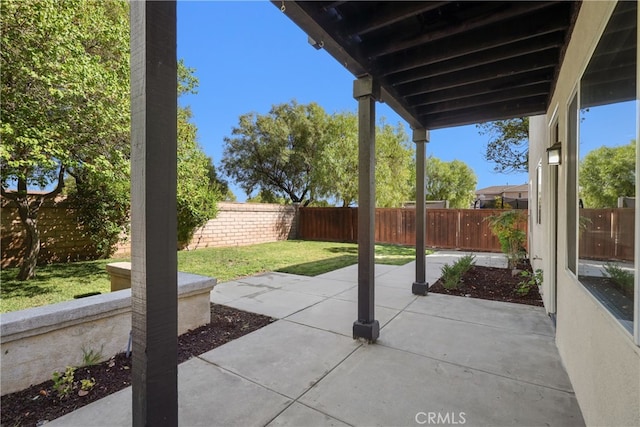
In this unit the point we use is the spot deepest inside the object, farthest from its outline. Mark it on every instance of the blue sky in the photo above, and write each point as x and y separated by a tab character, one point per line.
249	56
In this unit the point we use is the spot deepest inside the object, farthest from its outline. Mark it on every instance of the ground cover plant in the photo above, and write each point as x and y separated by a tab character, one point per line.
61	282
452	274
496	284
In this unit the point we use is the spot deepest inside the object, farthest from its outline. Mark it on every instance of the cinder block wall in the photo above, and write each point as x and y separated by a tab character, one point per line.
62	239
239	224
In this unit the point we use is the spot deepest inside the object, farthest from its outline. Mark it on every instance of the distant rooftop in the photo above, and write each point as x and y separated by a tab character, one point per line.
499	189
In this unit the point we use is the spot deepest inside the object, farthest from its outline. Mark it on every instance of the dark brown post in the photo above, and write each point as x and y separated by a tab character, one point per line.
420	137
153	213
366	91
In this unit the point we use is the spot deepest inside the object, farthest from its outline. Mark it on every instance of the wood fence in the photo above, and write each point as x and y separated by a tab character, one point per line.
463	229
607	234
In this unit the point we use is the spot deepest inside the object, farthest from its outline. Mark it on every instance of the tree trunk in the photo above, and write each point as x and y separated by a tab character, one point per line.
32	241
28	212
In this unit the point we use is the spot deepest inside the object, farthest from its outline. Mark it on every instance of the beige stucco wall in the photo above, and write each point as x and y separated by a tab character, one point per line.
38	341
601	358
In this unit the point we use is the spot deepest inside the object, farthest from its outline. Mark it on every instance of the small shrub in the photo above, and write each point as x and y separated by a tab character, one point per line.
63	382
452	274
530	280
91	357
623	278
512	239
87	384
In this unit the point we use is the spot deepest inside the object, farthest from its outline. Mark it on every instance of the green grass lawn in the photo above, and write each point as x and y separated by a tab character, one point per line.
61	282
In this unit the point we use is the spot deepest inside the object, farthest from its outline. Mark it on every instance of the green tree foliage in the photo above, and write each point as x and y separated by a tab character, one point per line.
219	184
454	181
276	151
507	227
336	172
197	195
65	109
394	157
607	173
65	99
102	202
267	196
508	146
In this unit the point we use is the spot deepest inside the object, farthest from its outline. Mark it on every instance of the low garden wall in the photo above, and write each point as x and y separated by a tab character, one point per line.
38	341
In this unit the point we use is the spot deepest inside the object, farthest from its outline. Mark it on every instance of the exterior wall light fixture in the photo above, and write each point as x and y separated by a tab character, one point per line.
554	154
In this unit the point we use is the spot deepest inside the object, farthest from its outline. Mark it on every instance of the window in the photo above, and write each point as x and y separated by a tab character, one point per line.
606	167
539	193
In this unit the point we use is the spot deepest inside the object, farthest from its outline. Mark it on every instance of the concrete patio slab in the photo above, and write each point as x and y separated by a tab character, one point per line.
318	286
207	396
298	415
230	291
337	316
380	386
273	279
400	277
518	317
116	408
395	298
275	303
522	356
283	356
438	357
350	273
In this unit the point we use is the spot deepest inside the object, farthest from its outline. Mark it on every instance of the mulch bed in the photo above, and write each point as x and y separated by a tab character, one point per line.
497	284
40	403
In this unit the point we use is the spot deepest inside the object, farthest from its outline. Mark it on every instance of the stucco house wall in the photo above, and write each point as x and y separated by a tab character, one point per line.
601	357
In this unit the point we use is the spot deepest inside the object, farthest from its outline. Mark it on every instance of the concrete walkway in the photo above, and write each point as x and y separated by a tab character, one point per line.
439	360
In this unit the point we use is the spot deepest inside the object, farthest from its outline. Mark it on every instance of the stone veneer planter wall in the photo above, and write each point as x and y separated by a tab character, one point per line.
38	341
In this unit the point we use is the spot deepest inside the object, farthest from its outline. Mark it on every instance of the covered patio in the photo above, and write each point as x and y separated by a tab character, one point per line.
439	360
437	64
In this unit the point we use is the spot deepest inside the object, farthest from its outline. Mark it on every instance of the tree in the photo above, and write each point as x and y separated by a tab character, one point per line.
266	196
277	151
196	197
508	146
394	156
65	75
65	109
607	173
453	181
336	172
219	184
196	194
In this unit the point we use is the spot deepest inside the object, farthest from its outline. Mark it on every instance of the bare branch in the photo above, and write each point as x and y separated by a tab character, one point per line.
59	186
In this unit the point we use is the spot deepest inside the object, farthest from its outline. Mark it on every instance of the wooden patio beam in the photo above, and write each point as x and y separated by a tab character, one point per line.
469	43
499	111
506	68
488	98
420	138
519	49
154	291
515	10
485	87
392	13
366	91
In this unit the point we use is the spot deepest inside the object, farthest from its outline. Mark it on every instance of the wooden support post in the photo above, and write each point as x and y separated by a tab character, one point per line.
153	213
366	91
420	286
